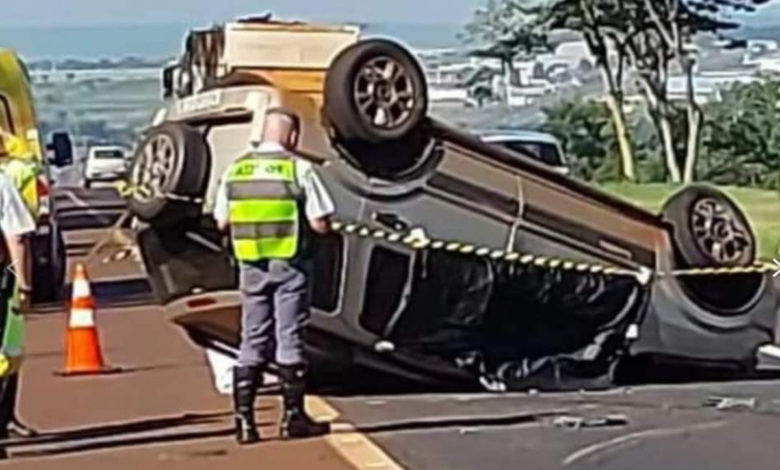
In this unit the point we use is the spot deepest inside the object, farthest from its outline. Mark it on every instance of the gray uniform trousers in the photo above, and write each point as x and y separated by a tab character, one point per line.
275	310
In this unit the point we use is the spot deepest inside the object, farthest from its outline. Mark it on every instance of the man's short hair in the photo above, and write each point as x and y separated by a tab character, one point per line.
289	114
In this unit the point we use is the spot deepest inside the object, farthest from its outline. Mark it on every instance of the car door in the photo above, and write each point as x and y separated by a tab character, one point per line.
453	198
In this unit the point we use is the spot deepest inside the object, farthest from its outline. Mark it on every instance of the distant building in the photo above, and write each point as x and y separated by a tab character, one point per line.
769	62
707	85
74	76
570	55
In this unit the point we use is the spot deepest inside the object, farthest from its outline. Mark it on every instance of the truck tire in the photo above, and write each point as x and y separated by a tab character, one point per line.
375	91
709	229
48	265
169	175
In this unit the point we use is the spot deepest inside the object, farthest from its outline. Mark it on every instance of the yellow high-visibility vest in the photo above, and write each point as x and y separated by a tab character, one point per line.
263	200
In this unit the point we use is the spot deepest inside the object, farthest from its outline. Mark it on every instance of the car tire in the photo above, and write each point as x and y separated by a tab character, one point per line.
392	160
375	91
700	217
169	175
709	229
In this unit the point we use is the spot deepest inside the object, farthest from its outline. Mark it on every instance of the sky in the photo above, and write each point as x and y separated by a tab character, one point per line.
103	12
155	28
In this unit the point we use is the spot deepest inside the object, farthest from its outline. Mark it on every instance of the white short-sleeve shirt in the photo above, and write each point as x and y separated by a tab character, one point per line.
319	203
15	218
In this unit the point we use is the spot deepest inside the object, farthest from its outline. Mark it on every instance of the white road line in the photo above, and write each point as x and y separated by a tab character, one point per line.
75	199
636	436
354	446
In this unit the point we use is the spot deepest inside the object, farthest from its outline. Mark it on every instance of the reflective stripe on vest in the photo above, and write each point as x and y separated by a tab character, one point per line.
24	175
263	197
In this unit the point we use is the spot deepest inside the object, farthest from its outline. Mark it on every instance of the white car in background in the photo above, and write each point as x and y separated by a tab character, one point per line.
105	163
540	146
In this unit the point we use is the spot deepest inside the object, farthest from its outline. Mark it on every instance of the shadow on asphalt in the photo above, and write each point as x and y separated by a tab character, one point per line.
108	294
128	434
129	442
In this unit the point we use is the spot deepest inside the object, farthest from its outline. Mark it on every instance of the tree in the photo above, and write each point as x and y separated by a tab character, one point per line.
649	57
592	19
650	35
504	30
586	134
672	24
741	138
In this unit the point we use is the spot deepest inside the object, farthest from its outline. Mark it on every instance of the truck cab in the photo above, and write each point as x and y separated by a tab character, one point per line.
28	164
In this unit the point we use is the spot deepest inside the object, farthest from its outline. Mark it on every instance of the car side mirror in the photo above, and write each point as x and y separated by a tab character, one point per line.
62	148
168	82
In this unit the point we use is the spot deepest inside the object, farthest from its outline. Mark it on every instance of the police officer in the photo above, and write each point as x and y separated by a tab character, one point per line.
270	199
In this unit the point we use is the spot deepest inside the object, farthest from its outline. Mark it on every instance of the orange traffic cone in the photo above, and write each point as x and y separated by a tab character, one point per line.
83	354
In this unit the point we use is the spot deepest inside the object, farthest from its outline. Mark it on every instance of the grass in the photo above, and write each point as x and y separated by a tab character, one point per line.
761	206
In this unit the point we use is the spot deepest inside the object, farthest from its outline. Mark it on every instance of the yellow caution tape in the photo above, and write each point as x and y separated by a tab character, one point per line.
643	275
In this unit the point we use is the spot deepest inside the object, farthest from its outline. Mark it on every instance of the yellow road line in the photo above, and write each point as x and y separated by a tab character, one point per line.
354	446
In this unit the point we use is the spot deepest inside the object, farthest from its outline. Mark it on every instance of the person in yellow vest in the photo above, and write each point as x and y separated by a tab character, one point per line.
16	223
17	163
270	199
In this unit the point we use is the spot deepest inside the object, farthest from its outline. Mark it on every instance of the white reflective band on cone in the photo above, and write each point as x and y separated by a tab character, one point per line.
82	318
81	289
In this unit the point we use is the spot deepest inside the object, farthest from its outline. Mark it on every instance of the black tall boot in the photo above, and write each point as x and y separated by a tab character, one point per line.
245	381
15	426
296	423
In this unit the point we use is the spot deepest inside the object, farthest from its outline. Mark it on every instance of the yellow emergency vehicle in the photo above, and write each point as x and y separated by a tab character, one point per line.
24	159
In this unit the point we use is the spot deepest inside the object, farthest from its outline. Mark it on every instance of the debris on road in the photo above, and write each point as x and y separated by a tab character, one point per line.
579	422
466	431
730	403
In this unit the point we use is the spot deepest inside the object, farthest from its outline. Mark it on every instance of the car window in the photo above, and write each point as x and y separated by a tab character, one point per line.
544	152
108	154
326	279
388	271
448	303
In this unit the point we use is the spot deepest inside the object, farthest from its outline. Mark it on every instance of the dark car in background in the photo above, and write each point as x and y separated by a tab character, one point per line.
540	146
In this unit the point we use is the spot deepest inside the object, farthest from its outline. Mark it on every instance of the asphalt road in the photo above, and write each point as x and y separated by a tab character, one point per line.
666	427
163	411
160	412
94	235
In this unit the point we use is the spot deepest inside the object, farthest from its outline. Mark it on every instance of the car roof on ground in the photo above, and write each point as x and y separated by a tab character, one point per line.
508	134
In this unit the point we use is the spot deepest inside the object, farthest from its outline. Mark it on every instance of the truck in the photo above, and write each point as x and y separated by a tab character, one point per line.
454	260
29	163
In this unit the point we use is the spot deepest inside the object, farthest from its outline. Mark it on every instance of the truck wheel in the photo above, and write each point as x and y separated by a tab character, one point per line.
375	91
709	229
48	266
169	175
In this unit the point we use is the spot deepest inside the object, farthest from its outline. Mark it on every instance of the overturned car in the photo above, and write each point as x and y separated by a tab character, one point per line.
454	261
